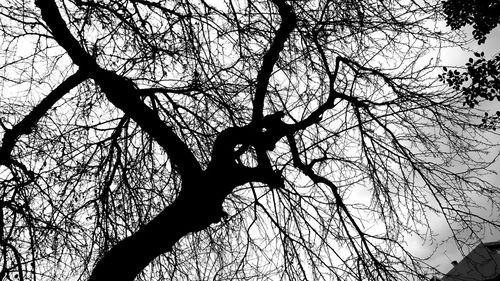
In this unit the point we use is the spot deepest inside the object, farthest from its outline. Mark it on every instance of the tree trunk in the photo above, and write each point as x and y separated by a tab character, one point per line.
190	212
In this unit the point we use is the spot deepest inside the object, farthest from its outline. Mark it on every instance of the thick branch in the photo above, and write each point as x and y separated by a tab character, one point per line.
130	256
190	212
61	33
29	121
263	137
288	23
122	93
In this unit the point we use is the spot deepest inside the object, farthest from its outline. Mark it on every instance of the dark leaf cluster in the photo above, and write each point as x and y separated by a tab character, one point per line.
490	121
481	79
481	14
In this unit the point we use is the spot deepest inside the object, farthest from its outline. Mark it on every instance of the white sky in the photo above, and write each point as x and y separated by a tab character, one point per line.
456	57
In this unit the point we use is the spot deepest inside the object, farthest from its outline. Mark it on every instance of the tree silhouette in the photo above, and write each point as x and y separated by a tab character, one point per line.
263	140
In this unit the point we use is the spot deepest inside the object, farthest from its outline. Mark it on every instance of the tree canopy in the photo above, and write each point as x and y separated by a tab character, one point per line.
480	81
483	15
231	140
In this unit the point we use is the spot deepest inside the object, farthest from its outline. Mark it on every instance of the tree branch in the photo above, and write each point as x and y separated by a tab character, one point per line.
25	126
61	33
288	23
122	93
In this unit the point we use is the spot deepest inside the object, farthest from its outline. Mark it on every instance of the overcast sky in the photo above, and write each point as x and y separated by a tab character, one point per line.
455	57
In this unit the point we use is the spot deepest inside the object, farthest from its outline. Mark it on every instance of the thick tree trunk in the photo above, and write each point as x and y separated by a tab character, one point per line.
190	212
200	201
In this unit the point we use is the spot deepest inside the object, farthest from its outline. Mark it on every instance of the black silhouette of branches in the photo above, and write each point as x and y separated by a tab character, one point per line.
229	140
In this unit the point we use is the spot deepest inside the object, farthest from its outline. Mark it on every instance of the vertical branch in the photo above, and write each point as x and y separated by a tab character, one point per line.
288	23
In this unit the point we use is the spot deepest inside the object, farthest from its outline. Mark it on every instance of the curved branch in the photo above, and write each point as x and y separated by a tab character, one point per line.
341	206
288	23
122	93
316	115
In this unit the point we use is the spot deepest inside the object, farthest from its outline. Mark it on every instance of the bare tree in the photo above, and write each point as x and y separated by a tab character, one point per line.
197	140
